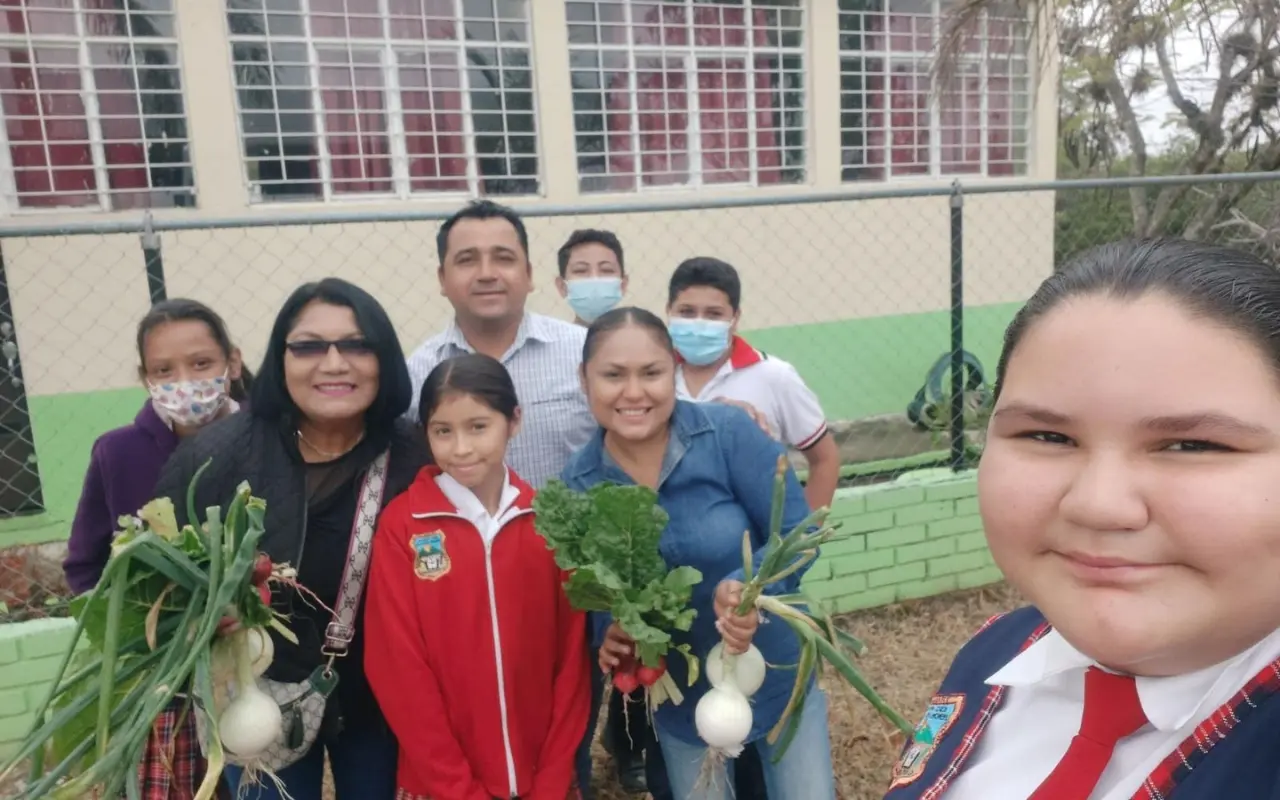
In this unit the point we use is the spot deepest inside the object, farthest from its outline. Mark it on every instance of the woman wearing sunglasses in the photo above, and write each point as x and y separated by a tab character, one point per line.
323	411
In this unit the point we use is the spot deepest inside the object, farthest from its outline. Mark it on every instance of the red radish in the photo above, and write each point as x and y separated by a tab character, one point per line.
648	676
261	569
625	682
264	592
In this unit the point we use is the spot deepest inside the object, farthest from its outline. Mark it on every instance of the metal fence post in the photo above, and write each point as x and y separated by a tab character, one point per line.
956	403
151	257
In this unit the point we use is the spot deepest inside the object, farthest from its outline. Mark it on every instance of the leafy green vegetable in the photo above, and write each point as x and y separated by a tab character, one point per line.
607	540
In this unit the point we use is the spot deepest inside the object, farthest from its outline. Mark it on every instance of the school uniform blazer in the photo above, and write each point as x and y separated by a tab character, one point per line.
473	651
1233	755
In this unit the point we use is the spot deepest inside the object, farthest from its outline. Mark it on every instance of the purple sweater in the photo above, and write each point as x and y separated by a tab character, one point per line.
123	471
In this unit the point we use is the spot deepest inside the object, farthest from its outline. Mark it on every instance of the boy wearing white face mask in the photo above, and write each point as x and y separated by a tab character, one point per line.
704	300
194	376
593	276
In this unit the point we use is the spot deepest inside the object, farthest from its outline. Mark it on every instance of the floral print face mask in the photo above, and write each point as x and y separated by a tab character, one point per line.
189	403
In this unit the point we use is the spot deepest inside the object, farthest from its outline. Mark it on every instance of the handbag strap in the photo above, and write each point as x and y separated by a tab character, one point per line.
342	628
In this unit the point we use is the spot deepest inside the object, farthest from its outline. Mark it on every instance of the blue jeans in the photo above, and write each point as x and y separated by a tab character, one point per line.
363	764
804	773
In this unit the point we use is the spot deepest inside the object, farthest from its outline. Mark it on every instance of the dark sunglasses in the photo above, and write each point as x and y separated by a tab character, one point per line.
313	348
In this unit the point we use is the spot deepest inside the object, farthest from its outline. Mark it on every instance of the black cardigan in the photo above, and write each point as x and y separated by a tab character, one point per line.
243	447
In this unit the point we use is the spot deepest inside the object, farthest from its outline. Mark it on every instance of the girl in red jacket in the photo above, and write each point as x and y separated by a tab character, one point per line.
472	649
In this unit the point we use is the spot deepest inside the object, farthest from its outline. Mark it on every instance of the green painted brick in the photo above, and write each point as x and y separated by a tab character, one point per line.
967	506
925	550
861	562
895	575
979	577
820	570
846	545
894	537
821	590
968	542
862	523
871	599
847	506
964	562
15	729
925	512
44	644
955	525
8	651
951	491
926	588
849	584
895	498
12	703
28	671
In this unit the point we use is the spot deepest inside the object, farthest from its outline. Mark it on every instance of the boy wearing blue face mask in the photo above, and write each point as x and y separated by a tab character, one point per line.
593	277
703	306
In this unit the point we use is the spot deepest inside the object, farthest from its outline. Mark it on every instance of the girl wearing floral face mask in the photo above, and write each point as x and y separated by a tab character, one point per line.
194	376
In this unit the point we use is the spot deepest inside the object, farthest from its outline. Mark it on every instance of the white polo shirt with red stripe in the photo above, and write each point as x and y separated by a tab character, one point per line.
771	386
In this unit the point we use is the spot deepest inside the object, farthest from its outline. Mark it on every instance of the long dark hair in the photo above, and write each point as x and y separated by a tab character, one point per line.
1228	286
182	309
475	374
270	397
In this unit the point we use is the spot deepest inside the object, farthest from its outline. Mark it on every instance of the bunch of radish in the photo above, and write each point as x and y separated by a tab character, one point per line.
723	716
633	674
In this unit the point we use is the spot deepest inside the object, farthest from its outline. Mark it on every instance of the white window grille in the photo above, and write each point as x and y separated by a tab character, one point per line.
893	123
688	92
93	109
384	98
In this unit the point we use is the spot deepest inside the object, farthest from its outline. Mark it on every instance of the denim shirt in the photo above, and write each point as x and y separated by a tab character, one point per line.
716	482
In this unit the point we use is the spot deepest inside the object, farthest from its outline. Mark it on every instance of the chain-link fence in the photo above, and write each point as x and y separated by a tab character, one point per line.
890	304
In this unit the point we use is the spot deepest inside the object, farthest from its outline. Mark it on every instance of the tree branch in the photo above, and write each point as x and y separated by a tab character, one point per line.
1109	79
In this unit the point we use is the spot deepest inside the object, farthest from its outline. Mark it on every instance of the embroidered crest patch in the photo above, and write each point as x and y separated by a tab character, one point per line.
431	560
943	711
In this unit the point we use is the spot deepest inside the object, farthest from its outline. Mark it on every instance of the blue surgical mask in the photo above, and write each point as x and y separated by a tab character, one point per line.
699	341
590	298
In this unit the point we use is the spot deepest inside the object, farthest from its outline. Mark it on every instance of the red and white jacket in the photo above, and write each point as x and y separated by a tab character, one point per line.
473	652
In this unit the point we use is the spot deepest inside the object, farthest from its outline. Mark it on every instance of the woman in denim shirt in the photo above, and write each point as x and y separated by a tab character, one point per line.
713	469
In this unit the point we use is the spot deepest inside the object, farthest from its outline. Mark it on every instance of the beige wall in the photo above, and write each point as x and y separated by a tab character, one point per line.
76	299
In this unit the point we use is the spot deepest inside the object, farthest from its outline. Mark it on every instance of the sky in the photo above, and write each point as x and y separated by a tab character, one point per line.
1195	79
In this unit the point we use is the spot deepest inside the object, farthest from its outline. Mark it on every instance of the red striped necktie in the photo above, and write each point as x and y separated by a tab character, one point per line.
1112	711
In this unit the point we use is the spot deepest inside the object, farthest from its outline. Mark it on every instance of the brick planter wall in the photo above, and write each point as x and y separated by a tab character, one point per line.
29	656
917	537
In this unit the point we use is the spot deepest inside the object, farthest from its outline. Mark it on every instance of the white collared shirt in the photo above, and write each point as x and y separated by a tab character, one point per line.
543	361
470	507
771	386
1043	706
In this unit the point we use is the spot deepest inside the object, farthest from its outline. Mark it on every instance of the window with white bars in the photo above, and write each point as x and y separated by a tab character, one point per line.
384	98
893	123
94	118
687	93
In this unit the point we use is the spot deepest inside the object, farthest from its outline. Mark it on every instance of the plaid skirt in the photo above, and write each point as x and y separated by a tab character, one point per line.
172	766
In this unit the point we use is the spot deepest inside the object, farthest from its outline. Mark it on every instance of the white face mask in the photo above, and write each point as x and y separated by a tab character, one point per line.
190	403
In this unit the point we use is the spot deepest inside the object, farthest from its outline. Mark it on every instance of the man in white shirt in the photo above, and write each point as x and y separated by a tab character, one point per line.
486	275
703	309
593	275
